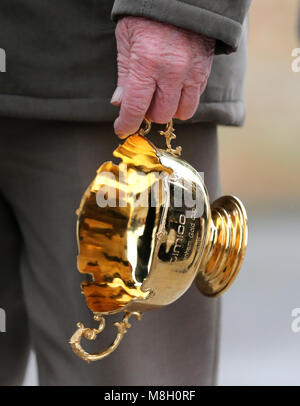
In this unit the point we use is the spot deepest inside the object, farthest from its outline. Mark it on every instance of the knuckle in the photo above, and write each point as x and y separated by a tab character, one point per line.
159	118
181	63
135	108
145	60
199	75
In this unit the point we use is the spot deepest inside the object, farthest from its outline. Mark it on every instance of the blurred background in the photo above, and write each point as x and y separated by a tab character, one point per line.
260	163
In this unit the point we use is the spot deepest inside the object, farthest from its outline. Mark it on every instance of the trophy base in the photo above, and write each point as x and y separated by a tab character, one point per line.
225	248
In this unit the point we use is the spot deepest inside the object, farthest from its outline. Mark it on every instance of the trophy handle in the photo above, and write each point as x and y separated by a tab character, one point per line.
91	334
168	133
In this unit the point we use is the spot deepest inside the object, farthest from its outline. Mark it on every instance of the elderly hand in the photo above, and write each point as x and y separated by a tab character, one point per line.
163	71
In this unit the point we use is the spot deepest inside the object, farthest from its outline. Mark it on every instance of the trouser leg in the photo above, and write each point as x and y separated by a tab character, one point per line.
56	162
14	342
190	344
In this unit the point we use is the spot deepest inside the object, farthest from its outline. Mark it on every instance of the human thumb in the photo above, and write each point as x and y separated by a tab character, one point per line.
116	99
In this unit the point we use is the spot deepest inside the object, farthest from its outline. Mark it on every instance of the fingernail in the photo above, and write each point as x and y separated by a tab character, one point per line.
117	96
119	133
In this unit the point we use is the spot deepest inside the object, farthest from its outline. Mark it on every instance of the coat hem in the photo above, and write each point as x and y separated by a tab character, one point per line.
100	110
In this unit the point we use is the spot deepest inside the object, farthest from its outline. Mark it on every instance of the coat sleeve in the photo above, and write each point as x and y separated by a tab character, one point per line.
219	19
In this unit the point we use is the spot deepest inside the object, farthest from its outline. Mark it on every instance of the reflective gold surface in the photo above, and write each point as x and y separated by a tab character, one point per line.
225	247
115	243
146	231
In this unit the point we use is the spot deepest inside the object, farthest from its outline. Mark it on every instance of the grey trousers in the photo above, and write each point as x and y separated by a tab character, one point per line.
45	166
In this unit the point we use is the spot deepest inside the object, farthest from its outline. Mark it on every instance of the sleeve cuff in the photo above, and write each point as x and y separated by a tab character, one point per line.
226	30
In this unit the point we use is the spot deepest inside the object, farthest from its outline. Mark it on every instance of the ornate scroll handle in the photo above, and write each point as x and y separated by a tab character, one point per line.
91	334
168	133
147	129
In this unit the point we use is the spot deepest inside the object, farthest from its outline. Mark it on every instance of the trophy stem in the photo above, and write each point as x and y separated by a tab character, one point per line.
225	246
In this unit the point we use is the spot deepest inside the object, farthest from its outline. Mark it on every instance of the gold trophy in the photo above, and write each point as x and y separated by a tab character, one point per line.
146	230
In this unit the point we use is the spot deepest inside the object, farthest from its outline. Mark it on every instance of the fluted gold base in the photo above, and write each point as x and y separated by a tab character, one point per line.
225	248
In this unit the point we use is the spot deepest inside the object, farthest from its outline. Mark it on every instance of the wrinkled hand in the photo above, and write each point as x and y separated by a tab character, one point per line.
163	71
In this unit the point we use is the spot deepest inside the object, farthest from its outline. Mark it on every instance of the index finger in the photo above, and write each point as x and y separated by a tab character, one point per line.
137	97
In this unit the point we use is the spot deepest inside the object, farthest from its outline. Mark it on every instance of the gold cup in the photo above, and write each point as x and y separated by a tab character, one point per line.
146	231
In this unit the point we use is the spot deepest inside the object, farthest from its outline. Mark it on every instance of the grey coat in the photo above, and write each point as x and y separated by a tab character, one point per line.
61	60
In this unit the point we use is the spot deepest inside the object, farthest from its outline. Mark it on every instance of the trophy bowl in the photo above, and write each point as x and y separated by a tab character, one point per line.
146	231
